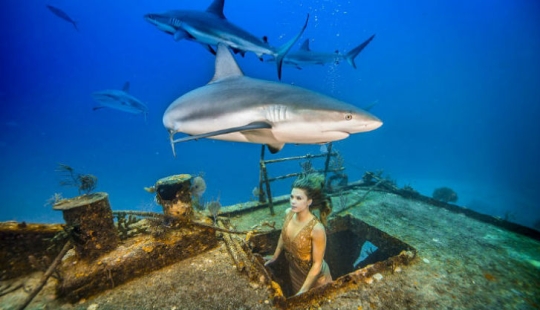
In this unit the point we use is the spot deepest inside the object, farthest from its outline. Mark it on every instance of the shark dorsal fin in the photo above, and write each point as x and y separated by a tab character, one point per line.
226	66
125	88
305	46
216	8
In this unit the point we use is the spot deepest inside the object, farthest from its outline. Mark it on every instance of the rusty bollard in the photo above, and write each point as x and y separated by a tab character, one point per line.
90	224
173	193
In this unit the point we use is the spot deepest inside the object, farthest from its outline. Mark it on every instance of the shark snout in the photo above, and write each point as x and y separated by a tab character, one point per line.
371	123
374	123
151	18
365	122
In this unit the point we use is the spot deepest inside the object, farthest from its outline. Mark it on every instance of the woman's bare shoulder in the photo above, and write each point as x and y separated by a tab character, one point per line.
318	230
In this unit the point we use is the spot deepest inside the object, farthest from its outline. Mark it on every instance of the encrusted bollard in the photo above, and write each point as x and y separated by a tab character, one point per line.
173	193
90	224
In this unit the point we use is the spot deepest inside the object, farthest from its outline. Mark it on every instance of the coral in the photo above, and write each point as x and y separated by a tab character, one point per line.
336	163
198	186
307	167
85	183
54	199
124	225
214	207
445	194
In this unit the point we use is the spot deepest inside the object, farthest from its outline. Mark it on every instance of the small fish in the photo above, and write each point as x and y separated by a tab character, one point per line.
56	11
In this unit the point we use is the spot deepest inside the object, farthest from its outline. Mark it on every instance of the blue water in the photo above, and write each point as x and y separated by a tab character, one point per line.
457	85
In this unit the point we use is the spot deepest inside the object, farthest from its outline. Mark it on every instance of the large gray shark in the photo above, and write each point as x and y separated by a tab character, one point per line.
305	56
120	100
234	107
211	27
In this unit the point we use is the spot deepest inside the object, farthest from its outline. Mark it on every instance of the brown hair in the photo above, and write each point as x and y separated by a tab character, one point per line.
312	184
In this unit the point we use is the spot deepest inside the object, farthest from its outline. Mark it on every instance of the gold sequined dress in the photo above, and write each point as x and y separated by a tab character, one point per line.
298	253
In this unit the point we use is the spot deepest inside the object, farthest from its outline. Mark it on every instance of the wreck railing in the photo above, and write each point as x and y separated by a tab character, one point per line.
265	191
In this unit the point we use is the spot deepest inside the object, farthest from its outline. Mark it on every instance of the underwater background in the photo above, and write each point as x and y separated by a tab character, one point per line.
456	84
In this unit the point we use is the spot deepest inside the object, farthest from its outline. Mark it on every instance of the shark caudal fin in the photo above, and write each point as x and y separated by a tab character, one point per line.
283	50
351	55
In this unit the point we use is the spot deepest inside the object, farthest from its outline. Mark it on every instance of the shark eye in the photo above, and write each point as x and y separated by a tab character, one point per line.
348	116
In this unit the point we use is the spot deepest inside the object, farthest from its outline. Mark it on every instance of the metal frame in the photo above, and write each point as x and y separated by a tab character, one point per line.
265	191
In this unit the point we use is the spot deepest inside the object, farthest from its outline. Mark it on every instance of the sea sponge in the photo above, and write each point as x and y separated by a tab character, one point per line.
445	194
198	186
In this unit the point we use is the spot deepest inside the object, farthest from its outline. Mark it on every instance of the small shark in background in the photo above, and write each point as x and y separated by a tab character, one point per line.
234	107
211	27
120	100
305	56
62	15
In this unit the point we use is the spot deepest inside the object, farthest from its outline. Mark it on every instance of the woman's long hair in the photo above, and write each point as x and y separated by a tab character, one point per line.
312	184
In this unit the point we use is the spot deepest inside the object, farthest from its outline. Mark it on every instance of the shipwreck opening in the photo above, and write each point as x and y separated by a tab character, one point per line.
351	246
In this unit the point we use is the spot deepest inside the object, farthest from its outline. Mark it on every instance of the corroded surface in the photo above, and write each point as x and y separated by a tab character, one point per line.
136	257
461	263
83	200
173	193
90	224
18	241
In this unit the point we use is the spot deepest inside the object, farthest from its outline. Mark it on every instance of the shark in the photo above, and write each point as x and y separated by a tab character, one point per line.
211	27
119	100
305	56
63	15
235	107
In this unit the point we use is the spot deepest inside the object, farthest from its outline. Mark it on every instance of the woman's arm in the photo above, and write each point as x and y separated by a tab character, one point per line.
279	247
318	236
277	252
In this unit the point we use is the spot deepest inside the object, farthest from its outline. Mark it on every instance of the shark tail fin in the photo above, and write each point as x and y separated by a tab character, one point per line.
283	50
351	55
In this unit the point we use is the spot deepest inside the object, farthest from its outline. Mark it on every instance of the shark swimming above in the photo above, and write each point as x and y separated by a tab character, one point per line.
305	56
56	11
119	100
234	107
211	27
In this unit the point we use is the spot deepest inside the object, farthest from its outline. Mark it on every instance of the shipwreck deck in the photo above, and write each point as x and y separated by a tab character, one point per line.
461	263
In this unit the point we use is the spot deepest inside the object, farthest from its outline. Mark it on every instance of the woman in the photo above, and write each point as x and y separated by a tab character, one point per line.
303	236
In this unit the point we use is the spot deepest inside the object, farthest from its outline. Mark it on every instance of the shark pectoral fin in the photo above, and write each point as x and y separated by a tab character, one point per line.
181	34
98	107
210	49
274	148
171	138
250	126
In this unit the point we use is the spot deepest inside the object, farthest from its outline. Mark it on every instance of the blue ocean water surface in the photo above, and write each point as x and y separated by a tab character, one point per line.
456	84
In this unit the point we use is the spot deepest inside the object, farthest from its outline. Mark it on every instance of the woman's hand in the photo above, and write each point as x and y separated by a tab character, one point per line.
269	259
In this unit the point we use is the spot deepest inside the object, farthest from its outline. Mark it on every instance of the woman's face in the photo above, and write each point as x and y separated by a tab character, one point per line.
299	200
